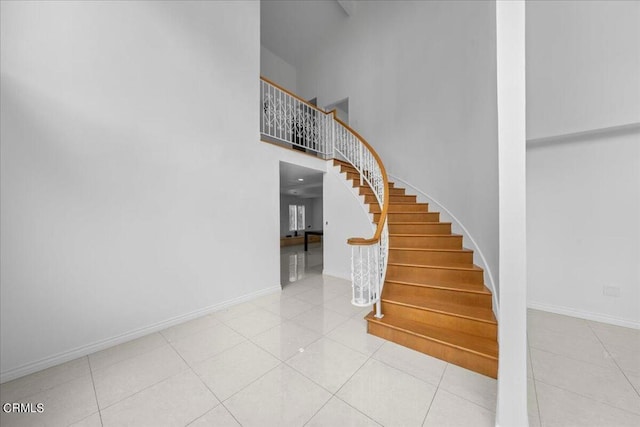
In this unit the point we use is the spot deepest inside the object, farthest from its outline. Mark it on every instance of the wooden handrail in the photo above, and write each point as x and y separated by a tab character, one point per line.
361	241
288	92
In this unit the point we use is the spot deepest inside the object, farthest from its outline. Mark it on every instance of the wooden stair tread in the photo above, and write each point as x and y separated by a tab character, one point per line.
404	222
399	253
365	184
481	346
458	287
435	251
429	225
423	235
418	222
443	267
420	302
399	248
406	198
407	208
408	203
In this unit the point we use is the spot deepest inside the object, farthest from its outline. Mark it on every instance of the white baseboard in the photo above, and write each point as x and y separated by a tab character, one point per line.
596	317
338	274
85	350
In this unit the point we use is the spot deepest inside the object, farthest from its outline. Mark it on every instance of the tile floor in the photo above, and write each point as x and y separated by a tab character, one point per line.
302	357
582	373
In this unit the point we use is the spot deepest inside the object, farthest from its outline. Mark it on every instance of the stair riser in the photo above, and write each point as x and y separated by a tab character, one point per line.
438	228
411	217
375	208
431	257
344	168
392	290
392	199
426	242
429	275
409	207
353	175
442	320
392	191
466	359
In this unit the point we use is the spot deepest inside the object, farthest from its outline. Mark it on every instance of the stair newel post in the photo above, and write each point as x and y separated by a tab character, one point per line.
379	314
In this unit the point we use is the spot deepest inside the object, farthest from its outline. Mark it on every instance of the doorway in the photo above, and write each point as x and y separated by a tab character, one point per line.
300	221
342	109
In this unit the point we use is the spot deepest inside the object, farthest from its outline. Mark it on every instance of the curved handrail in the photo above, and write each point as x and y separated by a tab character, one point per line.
385	203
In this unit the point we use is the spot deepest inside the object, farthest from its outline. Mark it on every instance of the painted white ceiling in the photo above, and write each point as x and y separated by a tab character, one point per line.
310	187
293	29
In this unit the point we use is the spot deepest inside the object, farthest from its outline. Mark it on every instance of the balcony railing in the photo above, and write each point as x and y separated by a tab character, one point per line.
288	119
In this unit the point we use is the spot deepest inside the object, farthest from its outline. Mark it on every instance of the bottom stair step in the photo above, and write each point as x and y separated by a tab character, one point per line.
472	320
468	351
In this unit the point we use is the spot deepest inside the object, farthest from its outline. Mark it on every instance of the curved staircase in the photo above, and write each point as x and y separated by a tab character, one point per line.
434	299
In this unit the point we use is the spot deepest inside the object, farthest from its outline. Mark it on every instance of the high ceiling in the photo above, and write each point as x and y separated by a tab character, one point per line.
294	29
290	184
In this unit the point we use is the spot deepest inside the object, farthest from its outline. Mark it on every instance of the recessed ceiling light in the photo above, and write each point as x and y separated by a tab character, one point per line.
300	179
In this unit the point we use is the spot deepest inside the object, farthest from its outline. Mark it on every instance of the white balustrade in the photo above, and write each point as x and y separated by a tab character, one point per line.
288	119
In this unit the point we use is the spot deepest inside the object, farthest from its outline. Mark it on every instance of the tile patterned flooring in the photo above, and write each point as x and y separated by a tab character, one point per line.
302	357
582	373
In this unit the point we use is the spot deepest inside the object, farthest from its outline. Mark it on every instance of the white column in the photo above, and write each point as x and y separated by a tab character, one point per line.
512	372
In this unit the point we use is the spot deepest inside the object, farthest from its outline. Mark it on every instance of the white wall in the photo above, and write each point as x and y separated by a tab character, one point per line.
123	126
584	226
277	70
583	66
584	189
421	83
340	197
316	218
